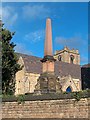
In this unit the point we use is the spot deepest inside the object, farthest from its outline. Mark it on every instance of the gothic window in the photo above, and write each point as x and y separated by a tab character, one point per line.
59	57
71	58
26	85
69	89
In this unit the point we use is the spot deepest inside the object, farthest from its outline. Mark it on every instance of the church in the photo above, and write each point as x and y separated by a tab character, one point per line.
65	65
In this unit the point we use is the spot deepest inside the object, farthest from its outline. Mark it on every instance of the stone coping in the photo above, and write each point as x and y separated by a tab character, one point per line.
47	96
46	119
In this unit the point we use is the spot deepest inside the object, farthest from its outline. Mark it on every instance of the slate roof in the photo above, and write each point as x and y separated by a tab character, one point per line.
64	69
33	65
86	65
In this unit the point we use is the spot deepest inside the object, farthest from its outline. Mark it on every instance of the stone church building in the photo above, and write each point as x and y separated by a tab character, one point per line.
67	68
58	72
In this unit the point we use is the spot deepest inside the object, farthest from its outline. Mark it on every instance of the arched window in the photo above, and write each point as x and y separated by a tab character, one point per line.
69	89
71	58
59	58
26	85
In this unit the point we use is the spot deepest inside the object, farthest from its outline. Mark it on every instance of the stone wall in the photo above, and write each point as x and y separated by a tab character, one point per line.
64	108
25	82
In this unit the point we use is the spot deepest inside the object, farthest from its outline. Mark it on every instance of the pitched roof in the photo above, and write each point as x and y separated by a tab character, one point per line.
64	69
33	65
86	65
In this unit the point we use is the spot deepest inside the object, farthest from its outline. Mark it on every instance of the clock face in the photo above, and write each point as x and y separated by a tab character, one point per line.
59	57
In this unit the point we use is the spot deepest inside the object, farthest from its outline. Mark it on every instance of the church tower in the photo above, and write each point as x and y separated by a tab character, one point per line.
67	55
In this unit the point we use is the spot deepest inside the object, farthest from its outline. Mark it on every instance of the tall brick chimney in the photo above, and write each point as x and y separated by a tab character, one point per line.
48	60
48	38
47	81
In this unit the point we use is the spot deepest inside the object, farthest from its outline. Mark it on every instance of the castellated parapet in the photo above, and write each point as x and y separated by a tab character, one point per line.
68	55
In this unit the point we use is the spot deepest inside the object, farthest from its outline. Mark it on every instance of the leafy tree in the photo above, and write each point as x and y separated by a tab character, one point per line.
9	62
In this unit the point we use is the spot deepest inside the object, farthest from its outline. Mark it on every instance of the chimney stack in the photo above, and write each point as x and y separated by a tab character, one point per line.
48	60
48	39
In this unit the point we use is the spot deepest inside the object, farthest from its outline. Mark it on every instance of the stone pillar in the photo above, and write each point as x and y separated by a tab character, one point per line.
48	39
48	60
47	80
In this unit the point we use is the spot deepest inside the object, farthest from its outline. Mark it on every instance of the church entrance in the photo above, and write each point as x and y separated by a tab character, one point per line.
69	89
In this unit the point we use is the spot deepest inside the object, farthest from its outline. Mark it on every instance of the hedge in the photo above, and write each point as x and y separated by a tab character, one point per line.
46	96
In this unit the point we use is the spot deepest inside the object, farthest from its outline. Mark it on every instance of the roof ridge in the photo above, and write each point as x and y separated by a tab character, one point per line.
27	55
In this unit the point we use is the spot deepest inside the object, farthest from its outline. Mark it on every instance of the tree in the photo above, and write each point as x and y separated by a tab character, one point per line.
9	62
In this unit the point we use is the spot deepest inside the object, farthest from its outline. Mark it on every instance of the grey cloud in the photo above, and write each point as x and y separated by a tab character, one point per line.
35	36
35	11
73	42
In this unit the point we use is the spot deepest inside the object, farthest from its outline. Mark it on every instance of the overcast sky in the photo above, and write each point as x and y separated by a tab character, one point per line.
28	19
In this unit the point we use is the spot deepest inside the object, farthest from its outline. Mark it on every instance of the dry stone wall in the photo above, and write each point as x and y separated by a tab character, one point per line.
65	108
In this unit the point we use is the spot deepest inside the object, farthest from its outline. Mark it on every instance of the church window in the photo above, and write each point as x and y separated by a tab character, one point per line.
59	58
71	58
69	89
